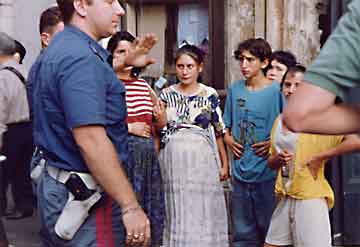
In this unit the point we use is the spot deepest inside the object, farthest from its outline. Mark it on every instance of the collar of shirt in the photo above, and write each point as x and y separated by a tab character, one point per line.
94	45
10	63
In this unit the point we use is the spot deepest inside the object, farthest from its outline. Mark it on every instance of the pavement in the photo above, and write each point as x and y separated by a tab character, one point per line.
24	232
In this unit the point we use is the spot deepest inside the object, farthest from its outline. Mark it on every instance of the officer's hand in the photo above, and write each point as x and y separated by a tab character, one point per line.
138	54
139	129
137	227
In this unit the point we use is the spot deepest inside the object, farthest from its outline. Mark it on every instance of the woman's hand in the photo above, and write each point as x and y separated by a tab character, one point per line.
140	129
138	54
160	114
224	173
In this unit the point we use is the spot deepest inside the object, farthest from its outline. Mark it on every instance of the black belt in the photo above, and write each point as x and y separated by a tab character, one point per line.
18	124
42	152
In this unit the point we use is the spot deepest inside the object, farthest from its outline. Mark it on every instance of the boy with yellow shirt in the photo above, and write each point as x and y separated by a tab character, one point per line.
301	217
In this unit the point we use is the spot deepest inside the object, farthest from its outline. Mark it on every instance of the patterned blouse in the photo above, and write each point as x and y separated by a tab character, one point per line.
201	109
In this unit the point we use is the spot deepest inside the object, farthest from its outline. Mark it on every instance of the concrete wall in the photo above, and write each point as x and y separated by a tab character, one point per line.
20	19
152	19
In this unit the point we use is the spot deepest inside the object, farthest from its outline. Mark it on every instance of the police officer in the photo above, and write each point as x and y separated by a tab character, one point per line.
15	131
79	127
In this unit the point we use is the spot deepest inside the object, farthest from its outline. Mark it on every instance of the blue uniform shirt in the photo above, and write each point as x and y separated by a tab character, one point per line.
72	85
250	116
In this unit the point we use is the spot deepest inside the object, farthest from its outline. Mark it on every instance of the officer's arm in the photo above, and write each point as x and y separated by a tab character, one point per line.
313	110
103	163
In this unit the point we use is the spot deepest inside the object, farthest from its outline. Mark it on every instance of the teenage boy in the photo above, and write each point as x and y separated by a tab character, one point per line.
251	108
301	217
279	63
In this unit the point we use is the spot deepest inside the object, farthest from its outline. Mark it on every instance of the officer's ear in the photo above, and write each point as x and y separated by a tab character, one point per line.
80	7
45	39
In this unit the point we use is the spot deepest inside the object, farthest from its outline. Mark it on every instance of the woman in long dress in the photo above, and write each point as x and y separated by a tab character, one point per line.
193	159
144	172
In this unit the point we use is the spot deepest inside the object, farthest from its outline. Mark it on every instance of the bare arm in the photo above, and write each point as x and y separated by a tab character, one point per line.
236	148
224	173
313	110
350	144
103	163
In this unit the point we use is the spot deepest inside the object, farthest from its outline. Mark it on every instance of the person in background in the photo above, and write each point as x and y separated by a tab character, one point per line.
279	62
301	217
20	52
251	107
193	158
50	24
145	113
16	141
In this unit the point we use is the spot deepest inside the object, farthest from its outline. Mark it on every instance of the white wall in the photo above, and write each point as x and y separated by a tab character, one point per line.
20	19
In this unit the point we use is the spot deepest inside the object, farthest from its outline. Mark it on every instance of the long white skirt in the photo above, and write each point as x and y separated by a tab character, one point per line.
194	197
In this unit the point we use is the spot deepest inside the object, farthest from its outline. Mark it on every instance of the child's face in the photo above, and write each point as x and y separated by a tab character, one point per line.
250	65
187	69
277	71
291	82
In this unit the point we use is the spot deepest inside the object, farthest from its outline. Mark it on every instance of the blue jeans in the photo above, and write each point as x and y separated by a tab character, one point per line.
252	206
102	228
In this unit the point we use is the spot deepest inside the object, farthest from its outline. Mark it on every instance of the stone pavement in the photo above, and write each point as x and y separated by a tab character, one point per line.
24	232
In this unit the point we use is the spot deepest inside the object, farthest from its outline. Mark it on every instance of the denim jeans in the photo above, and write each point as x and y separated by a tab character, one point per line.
252	206
102	228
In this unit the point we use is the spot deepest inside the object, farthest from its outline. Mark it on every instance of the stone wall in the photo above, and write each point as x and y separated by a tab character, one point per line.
285	24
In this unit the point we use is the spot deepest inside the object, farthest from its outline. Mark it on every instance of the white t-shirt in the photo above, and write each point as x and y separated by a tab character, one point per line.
285	139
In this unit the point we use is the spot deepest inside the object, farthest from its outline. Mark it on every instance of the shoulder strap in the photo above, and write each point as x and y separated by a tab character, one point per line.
16	72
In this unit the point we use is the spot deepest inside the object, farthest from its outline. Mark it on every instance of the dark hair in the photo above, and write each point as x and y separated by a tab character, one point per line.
283	57
67	9
191	50
116	38
297	68
113	42
259	48
19	48
49	19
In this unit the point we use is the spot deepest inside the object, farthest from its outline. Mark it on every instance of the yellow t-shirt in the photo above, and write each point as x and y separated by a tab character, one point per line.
303	185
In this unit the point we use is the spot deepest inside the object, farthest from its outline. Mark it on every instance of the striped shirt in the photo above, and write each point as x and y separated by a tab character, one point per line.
138	101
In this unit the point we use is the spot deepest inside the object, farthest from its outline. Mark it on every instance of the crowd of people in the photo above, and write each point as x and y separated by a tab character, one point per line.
115	164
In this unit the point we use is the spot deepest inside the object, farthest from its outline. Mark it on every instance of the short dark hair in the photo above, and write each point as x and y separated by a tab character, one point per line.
258	47
19	48
283	57
193	51
67	9
49	18
114	40
292	70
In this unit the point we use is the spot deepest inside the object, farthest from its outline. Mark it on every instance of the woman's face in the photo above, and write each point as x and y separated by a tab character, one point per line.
187	69
291	82
120	52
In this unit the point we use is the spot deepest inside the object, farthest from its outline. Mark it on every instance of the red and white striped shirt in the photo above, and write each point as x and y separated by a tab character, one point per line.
138	101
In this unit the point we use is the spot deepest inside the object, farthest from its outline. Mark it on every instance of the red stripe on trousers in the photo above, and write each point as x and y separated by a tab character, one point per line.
100	227
108	223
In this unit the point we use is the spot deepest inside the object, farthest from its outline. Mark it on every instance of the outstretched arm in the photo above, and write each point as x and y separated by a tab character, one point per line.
138	55
313	110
